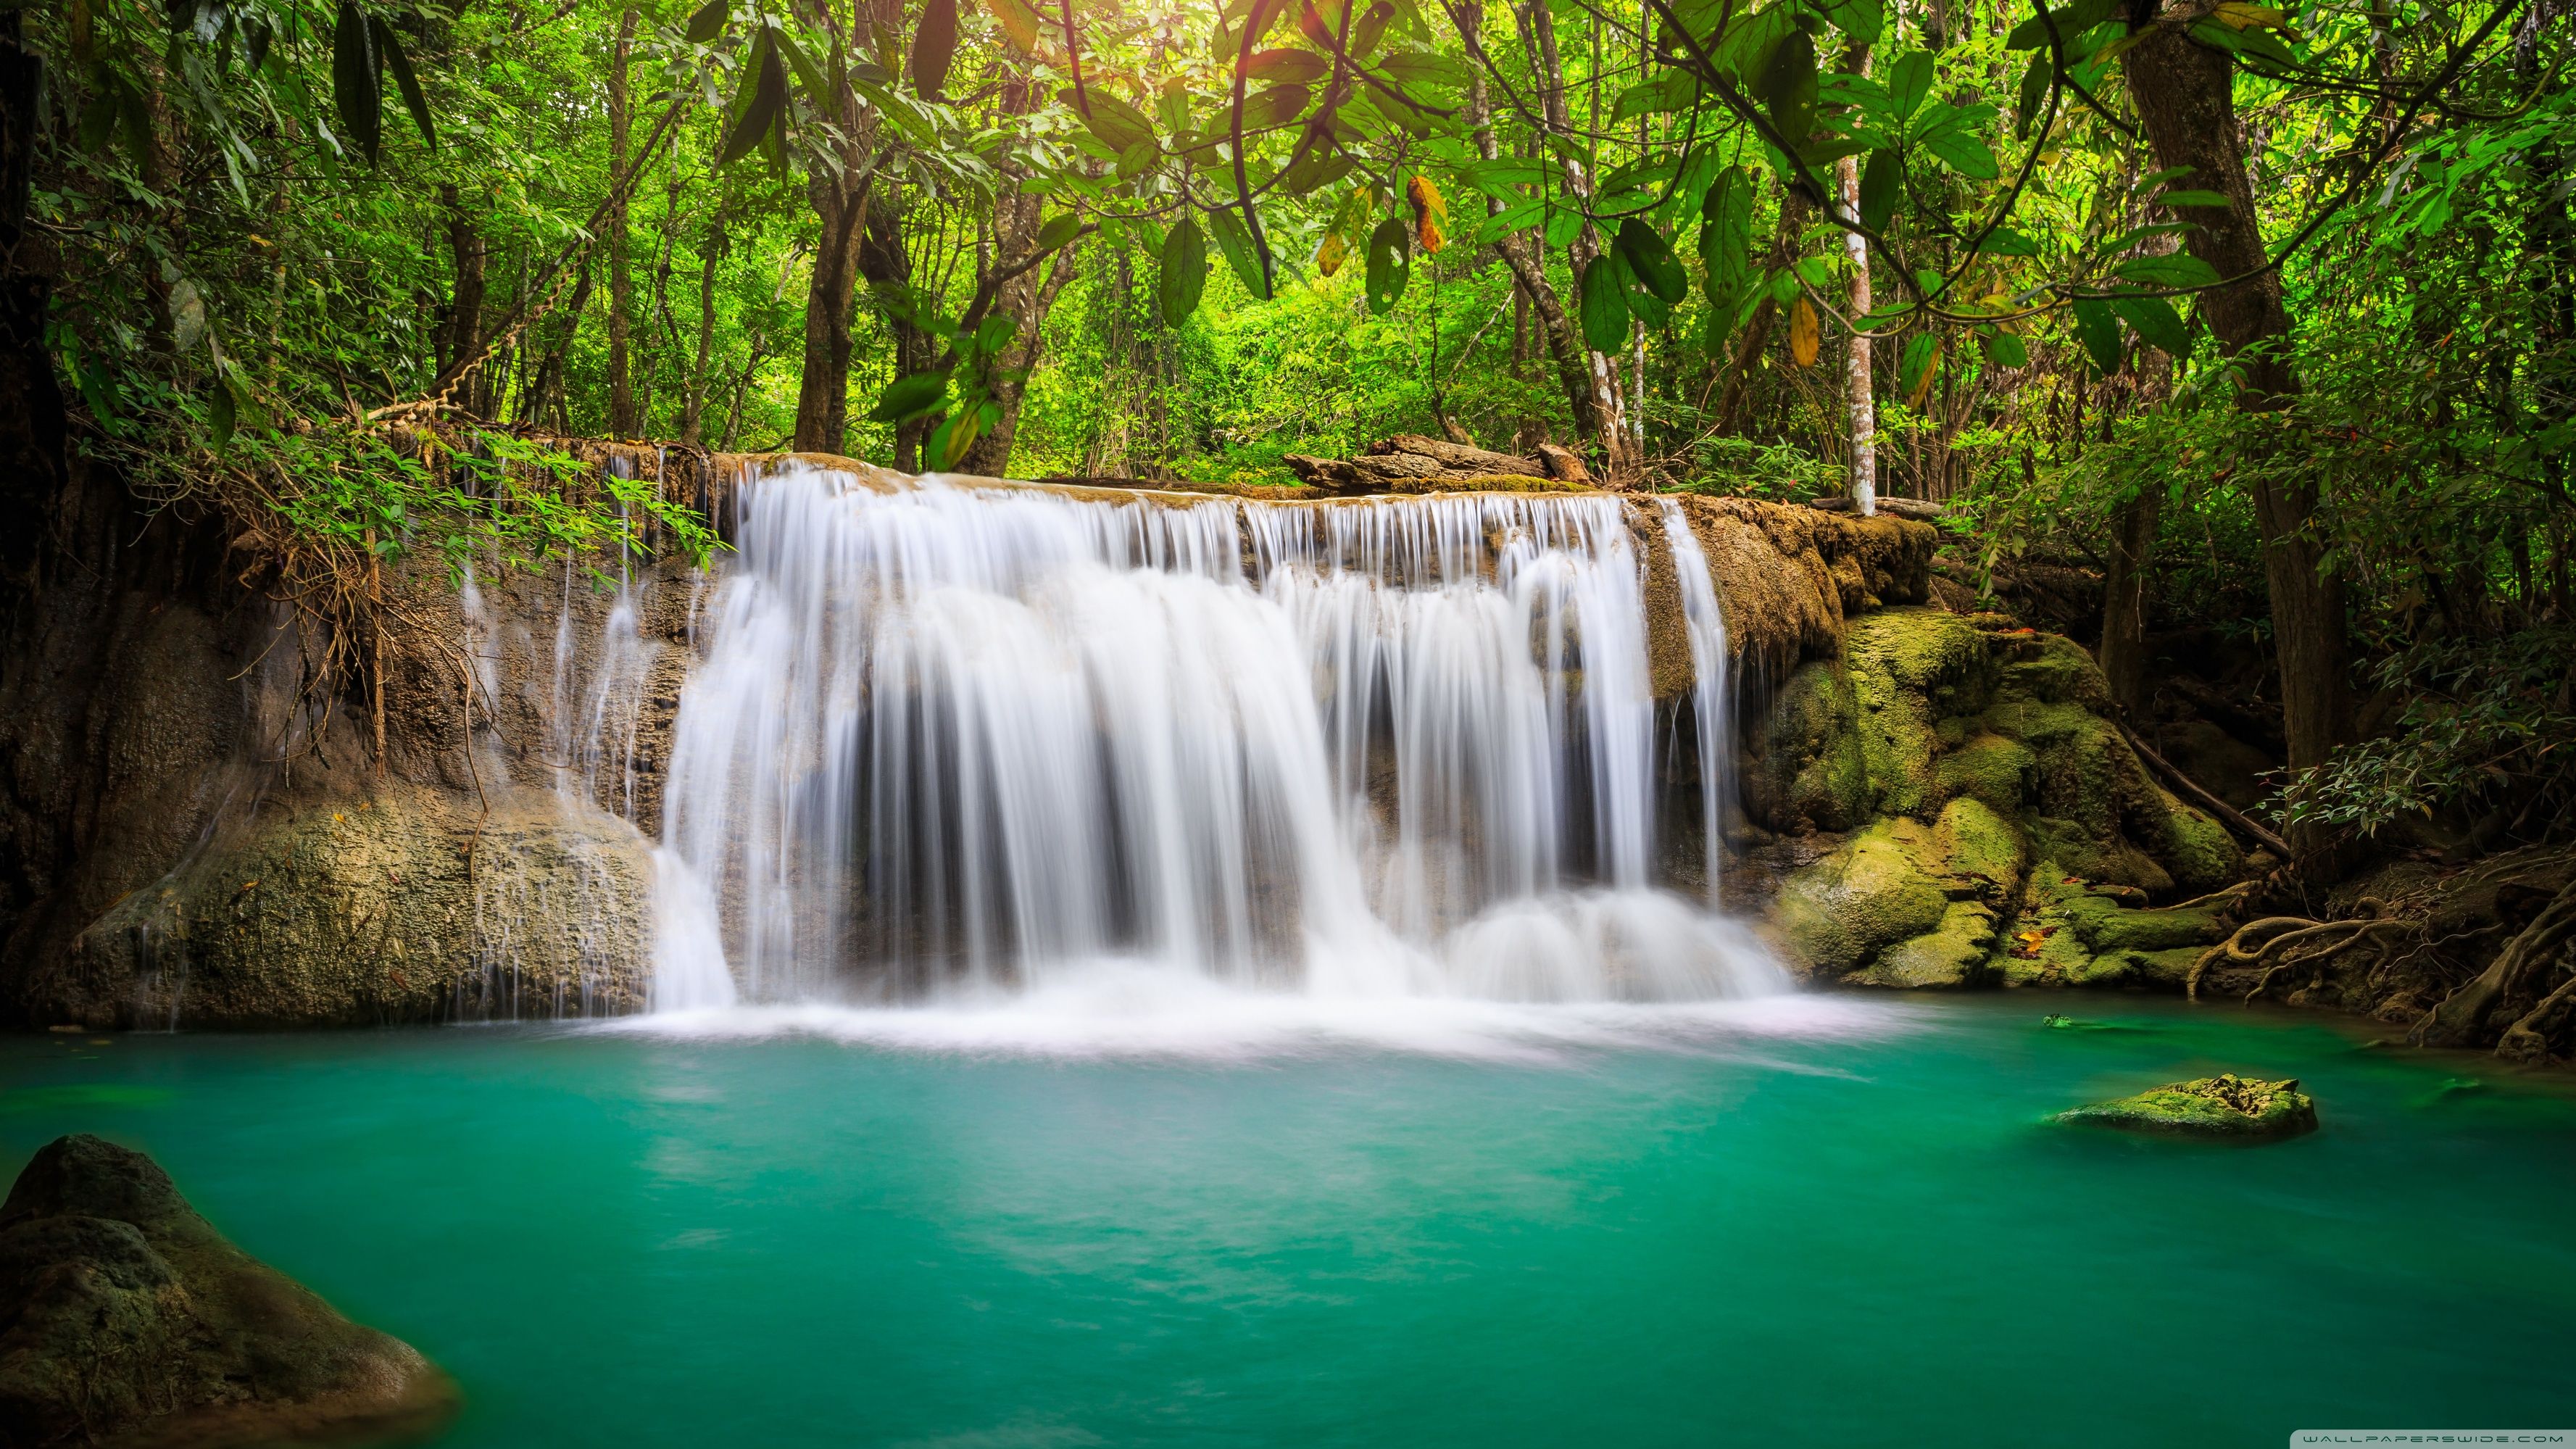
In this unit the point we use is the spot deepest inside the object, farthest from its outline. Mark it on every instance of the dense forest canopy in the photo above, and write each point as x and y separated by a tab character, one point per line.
2261	315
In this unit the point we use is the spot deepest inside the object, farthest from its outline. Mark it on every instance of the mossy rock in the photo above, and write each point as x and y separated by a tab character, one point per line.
1837	914
2111	859
1971	841
1950	955
2226	1107
1911	669
130	1320
2197	849
2107	925
1986	766
1905	904
1812	772
2054	669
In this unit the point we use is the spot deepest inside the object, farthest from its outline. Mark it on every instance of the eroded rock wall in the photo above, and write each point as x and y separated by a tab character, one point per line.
198	834
1950	802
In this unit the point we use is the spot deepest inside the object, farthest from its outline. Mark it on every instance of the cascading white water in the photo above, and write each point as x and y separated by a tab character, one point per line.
1712	704
951	738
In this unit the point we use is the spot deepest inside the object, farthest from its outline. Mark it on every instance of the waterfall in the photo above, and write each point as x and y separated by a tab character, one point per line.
1712	705
953	739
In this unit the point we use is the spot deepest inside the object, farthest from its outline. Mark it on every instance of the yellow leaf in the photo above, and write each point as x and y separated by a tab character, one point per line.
1429	210
1328	257
1803	337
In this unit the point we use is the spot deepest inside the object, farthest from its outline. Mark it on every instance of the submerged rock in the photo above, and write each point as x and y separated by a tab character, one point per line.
130	1320
2226	1107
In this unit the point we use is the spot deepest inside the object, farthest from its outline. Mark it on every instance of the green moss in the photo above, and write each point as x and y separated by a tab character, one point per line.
2095	856
1812	771
2197	849
1837	914
2106	925
1951	954
2225	1107
1975	843
1986	766
1909	669
2053	669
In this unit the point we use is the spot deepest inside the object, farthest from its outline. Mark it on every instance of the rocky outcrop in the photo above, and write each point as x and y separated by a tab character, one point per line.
1971	814
198	835
125	1318
2226	1108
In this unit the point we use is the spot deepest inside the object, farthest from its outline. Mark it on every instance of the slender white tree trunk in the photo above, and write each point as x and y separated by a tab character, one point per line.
1862	408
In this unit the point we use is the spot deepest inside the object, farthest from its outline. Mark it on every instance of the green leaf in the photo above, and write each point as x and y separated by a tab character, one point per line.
1908	82
1414	68
389	50
1185	272
1726	233
1059	229
1276	106
1650	260
1138	159
221	412
1604	294
1117	124
2099	330
2005	350
1788	86
2034	94
2194	198
356	90
1294	67
1862	20
2155	321
764	92
1670	90
708	21
2003	241
907	398
1236	243
1390	264
1920	351
1882	182
934	45
1519	216
2173	269
1964	154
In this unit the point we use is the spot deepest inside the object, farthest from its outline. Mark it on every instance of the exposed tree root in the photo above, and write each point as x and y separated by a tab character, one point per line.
2516	974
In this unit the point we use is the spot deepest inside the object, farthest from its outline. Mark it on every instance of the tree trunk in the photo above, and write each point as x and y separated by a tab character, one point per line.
2124	598
462	338
1607	420
622	422
1528	265
693	411
1025	299
2186	101
1860	402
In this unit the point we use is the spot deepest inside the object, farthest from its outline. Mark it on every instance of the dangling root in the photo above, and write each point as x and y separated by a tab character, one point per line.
2251	942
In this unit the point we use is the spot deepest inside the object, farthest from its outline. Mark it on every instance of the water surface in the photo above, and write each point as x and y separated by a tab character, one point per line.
1811	1222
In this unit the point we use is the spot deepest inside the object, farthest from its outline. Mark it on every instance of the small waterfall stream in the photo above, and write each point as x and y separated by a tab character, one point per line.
950	740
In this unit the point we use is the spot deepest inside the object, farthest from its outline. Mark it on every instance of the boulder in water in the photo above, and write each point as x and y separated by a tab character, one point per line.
130	1320
2226	1107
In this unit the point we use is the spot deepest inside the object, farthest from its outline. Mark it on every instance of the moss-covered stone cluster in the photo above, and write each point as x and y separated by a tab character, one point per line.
1996	826
2225	1107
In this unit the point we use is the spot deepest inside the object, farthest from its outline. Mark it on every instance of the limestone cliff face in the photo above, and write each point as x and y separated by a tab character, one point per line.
1964	810
197	835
